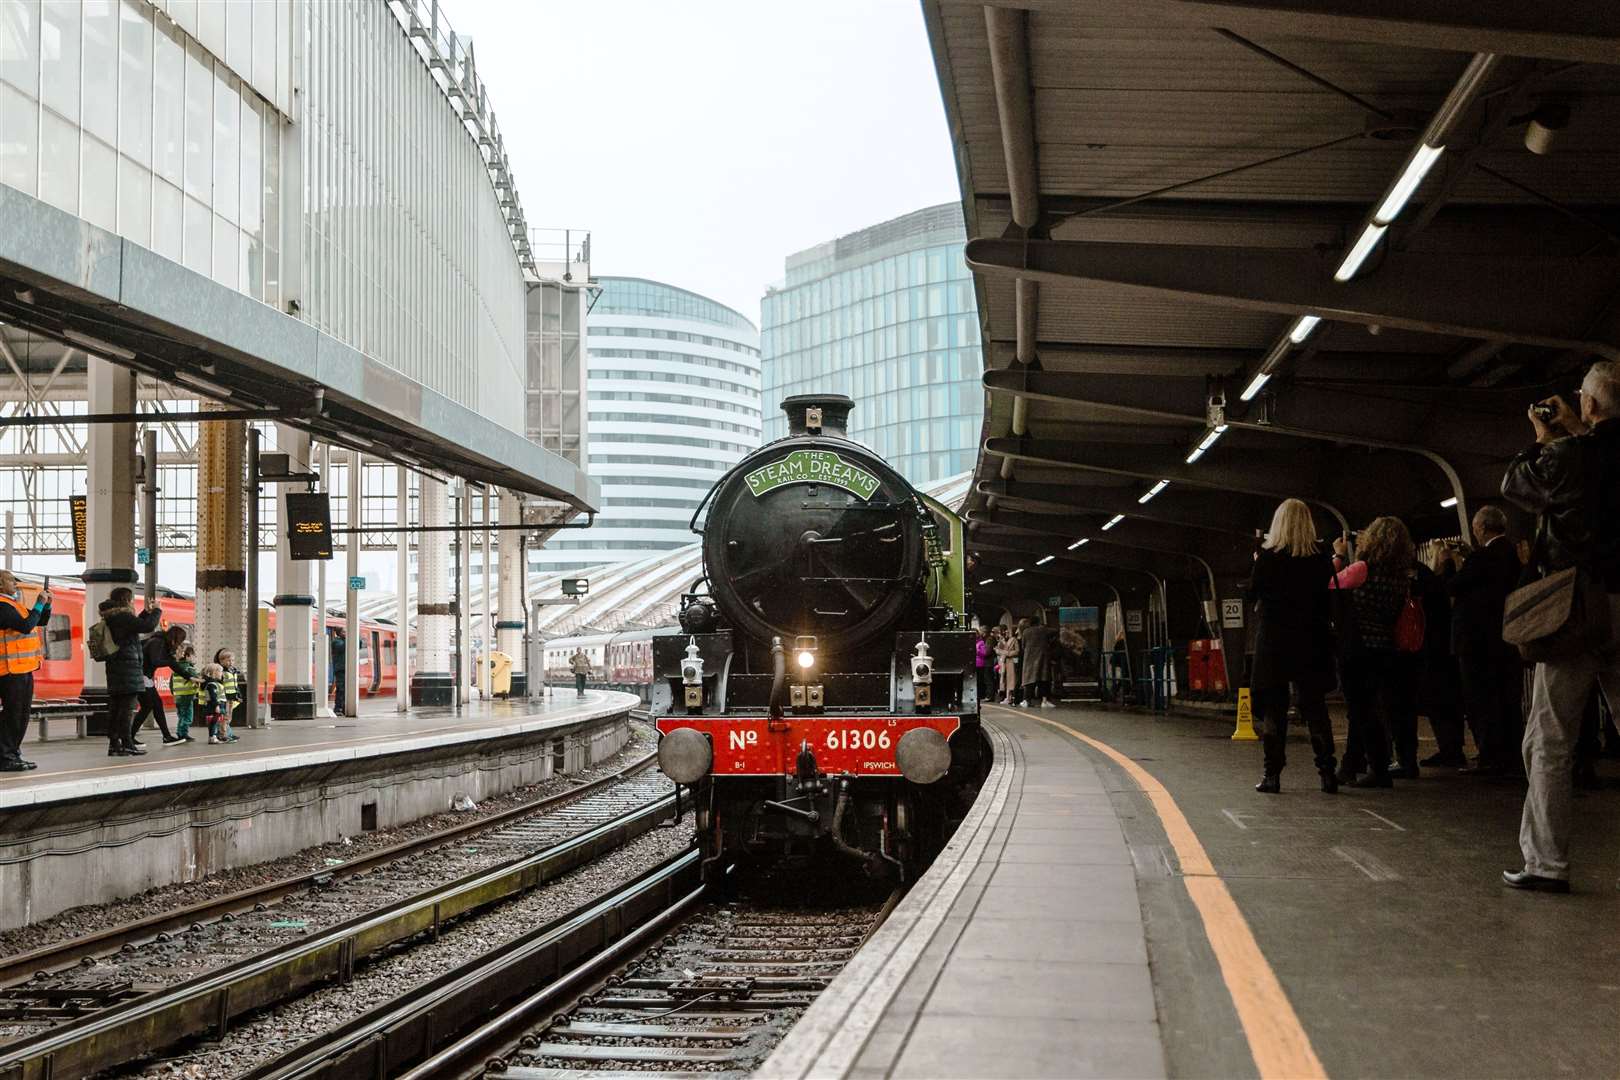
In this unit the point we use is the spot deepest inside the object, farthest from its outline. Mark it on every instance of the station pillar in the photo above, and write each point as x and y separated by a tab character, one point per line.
513	578
222	541
109	548
432	682
294	695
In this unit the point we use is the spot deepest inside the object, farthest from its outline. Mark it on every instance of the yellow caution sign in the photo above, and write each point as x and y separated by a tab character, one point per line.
1245	724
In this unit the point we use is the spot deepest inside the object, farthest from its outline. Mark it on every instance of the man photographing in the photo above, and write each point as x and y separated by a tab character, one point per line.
20	654
1571	478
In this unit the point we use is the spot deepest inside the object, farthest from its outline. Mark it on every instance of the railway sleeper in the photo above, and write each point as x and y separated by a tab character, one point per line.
587	1052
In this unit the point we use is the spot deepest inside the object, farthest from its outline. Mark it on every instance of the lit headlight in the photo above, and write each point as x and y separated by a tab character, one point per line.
684	755
923	755
807	660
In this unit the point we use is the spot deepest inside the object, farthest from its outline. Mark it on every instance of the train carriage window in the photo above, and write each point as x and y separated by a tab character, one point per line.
59	638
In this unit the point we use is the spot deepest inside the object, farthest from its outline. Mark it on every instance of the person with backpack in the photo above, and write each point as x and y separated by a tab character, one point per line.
158	653
1375	591
116	641
20	655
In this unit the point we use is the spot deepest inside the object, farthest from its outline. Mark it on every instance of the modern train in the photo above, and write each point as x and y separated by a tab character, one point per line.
819	693
61	671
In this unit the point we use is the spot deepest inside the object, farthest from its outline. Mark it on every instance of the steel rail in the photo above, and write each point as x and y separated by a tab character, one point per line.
207	1004
425	1031
15	969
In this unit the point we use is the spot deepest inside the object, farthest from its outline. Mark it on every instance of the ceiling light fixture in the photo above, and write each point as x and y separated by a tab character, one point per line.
1364	245
201	384
97	346
1449	503
1015	573
1154	490
1043	560
987	581
1197	452
1079	543
1255	385
1417	167
1115	520
1302	328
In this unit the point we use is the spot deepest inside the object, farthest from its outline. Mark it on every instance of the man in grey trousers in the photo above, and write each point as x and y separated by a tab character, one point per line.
1571	478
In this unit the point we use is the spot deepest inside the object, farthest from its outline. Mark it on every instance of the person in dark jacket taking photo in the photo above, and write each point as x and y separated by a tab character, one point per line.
1293	642
1571	478
126	667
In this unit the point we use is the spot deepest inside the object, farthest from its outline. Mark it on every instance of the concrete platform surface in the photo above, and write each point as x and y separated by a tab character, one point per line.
1130	906
74	769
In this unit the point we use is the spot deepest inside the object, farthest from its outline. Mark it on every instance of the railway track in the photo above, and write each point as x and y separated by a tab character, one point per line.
658	977
27	965
155	991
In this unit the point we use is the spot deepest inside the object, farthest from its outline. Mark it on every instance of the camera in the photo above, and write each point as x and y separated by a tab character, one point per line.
1544	411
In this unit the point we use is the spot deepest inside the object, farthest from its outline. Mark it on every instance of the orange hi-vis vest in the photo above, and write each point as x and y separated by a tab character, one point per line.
19	653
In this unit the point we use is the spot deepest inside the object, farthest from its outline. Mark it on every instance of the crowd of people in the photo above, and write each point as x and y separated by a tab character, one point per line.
1404	637
1027	662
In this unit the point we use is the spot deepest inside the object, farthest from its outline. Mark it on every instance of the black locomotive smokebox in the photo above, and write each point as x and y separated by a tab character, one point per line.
823	414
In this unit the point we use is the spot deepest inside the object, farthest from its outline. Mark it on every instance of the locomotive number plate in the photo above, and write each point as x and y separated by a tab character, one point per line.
854	745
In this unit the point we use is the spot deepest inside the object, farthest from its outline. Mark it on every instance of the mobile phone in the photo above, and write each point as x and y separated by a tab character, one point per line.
1544	411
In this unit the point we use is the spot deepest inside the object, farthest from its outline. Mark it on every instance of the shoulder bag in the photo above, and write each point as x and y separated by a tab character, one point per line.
1561	615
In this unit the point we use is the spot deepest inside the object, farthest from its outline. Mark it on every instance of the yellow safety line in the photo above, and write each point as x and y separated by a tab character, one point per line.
1277	1039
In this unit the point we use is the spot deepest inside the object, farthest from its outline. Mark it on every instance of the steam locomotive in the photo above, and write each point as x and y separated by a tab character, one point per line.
821	690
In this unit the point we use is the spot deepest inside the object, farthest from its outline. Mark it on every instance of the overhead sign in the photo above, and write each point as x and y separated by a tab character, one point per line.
357	584
813	467
309	526
1133	622
1232	614
575	586
143	556
78	513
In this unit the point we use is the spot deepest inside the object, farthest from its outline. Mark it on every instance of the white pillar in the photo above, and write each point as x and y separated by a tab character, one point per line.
464	538
321	678
432	682
513	579
486	629
222	542
402	582
110	501
351	607
294	695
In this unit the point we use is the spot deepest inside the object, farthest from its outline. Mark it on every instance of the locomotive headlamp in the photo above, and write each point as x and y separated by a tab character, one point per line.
692	665
685	756
805	646
922	677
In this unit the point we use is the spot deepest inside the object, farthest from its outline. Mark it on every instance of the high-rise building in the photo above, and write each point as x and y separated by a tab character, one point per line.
886	315
672	403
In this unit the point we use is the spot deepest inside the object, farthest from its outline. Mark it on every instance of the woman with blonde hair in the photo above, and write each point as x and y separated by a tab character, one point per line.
1293	648
1378	584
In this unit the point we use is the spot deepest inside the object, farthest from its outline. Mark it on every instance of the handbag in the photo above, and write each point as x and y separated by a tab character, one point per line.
1562	615
1410	626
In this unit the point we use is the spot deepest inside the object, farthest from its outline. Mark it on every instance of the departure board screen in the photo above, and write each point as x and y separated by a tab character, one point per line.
309	525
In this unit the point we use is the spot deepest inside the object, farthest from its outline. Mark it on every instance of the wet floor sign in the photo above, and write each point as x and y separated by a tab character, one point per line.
1245	723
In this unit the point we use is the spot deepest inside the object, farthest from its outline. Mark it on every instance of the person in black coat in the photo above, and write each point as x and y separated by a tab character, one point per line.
1293	647
1441	693
159	652
1492	673
126	667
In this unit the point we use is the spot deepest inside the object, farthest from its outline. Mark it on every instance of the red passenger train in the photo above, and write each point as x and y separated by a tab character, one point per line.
61	670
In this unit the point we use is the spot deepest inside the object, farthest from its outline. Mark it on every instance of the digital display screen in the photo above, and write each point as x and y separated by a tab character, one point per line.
77	510
309	526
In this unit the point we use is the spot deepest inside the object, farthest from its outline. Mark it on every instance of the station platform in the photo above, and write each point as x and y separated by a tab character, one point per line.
86	828
1121	902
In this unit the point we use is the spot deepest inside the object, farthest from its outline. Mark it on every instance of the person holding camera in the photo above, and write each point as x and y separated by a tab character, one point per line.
1571	478
126	672
1492	676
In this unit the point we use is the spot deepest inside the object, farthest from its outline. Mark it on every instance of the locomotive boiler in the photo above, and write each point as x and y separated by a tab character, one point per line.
821	691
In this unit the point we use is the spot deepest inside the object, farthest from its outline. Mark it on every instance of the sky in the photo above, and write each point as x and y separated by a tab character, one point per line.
702	141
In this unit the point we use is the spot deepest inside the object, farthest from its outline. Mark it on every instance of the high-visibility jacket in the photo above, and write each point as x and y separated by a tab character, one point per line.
19	650
182	687
230	686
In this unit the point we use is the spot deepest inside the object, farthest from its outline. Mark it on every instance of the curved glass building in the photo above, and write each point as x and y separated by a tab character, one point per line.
673	401
886	315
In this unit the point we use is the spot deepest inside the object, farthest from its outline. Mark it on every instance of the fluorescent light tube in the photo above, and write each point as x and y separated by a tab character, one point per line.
1211	438
1197	452
201	384
1302	328
1255	384
1154	490
1364	246
97	346
987	581
1044	560
1449	503
1115	520
1079	543
1015	573
1416	169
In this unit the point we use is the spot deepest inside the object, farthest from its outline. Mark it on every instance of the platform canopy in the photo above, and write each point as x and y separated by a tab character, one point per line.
1339	246
90	289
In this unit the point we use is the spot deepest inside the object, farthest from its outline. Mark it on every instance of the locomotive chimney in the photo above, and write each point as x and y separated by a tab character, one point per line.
818	414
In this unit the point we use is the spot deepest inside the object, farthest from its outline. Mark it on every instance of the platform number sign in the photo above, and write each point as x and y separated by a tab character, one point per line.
575	586
1232	614
1133	622
357	584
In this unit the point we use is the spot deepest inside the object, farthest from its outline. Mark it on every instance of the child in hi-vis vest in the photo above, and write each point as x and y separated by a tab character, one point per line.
183	686
215	705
